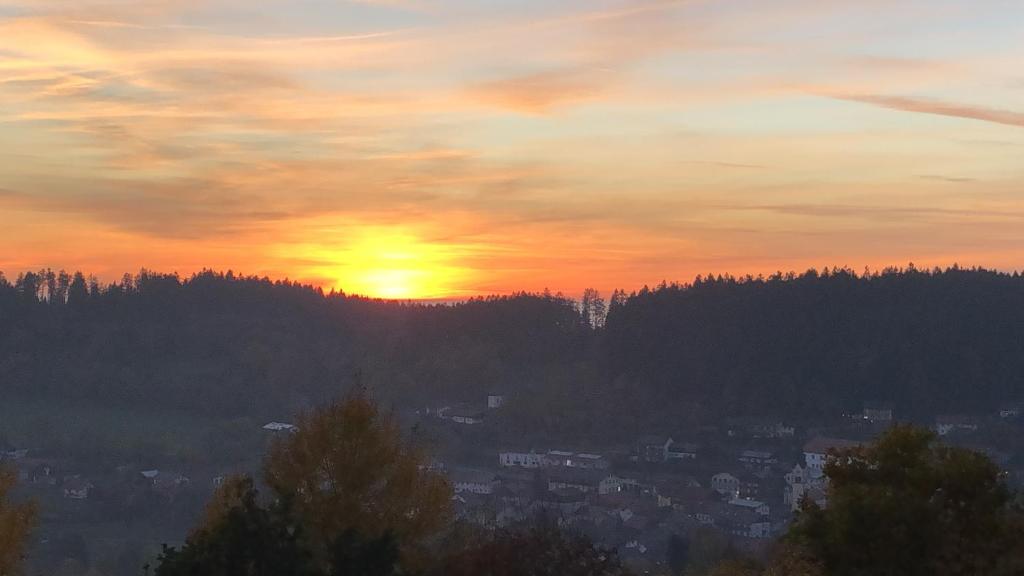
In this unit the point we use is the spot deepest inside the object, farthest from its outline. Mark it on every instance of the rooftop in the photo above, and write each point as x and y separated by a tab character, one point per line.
822	445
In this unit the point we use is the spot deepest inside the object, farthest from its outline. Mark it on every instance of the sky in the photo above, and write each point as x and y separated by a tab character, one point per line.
451	148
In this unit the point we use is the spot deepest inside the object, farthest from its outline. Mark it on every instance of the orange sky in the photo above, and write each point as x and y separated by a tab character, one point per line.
446	148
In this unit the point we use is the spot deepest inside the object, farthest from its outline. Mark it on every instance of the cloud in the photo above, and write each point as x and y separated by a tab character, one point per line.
541	92
896	213
952	179
721	164
939	108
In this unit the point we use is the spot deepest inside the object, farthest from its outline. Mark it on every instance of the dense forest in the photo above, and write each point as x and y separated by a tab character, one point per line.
801	347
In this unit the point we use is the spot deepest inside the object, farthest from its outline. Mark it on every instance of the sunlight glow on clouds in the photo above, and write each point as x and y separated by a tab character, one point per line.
444	148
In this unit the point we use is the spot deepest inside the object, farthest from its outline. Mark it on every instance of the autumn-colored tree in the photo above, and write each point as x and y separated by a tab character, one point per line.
348	468
16	521
908	506
233	493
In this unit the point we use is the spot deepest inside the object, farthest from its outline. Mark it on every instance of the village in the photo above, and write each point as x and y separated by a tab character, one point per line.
741	481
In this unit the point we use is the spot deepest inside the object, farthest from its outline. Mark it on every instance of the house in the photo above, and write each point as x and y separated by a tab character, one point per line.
877	412
495	401
759	428
43	473
472	481
1009	410
531	459
279	427
800	484
816	452
681	451
11	453
77	489
462	414
955	423
653	448
586	481
745	523
557	458
725	484
588	461
755	505
757	459
615	484
750	484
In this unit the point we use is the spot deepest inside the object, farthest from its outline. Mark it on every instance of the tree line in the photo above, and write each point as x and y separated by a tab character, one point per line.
790	345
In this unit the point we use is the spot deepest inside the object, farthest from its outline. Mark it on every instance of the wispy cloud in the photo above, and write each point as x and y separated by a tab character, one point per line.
939	108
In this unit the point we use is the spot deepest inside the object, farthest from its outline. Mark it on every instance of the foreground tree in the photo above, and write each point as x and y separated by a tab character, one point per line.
908	506
239	537
16	521
540	551
348	470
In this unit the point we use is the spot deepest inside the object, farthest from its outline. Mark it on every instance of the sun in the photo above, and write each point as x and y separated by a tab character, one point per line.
392	263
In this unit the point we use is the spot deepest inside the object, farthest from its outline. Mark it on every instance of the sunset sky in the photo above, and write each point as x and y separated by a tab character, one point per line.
447	148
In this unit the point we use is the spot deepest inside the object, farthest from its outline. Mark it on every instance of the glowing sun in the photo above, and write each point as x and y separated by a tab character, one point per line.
389	263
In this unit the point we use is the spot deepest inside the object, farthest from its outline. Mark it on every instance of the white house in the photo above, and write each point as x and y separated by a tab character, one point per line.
279	427
1009	410
472	481
955	423
799	484
816	453
529	459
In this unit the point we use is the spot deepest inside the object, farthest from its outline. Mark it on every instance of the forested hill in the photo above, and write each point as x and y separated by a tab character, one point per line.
929	342
796	346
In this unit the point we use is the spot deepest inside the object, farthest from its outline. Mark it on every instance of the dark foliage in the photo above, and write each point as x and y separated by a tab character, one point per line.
797	346
249	539
823	343
908	506
539	551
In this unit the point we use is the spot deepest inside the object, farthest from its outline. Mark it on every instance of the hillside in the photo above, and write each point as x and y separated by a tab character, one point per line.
798	346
